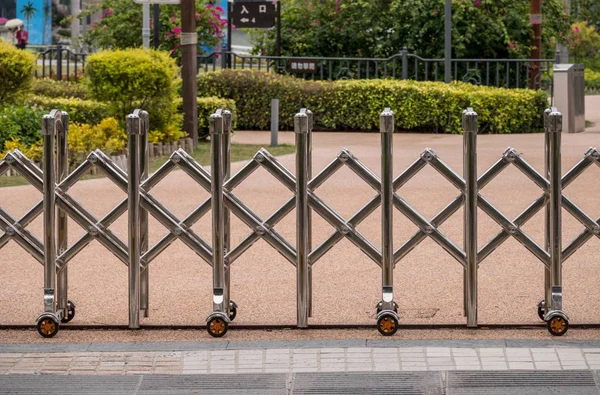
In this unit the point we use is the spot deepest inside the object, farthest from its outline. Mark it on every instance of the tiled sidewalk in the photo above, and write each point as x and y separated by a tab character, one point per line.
347	359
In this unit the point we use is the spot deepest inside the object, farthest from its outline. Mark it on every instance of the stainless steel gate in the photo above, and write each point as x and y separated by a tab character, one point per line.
57	205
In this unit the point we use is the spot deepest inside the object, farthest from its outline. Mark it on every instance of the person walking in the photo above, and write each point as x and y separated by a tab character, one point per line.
22	37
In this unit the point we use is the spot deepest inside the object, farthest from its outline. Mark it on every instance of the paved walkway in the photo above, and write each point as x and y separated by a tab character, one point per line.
308	356
415	367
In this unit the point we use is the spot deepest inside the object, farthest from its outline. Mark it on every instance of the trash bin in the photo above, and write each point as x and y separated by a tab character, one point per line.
569	96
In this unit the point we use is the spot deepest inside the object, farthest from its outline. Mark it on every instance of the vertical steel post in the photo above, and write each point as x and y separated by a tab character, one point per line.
226	146
62	161
309	223
469	120
274	121
404	63
555	131
547	161
218	223
144	168
386	127
301	130
50	123
134	131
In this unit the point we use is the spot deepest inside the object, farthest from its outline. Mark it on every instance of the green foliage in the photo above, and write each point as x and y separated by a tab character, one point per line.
171	133
53	88
107	136
366	28
355	105
584	41
586	10
16	72
20	122
121	24
592	80
206	107
80	111
135	78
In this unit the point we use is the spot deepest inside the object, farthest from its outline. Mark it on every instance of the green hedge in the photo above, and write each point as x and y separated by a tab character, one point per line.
135	78
592	80
16	73
53	88
80	111
206	107
356	105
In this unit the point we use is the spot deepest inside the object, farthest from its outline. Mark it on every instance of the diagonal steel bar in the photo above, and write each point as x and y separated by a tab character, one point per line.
254	222
530	171
158	175
587	221
445	170
409	173
577	170
76	174
513	229
437	221
427	227
252	238
324	175
15	230
503	235
88	222
65	257
18	162
242	174
352	223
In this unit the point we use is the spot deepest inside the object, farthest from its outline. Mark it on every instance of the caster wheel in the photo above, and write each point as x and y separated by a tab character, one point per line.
232	310
70	312
47	326
217	327
379	308
387	325
558	326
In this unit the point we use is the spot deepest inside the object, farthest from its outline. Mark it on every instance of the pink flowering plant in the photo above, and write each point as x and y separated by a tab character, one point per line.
367	28
120	26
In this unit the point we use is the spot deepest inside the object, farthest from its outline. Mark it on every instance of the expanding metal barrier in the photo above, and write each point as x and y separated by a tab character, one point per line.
57	205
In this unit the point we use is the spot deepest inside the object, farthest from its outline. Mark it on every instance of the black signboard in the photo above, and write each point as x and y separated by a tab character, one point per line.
253	14
303	66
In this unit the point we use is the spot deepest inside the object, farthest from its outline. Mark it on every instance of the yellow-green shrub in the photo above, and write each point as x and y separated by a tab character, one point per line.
62	89
356	104
16	72
80	111
206	107
32	151
592	79
107	136
171	133
135	78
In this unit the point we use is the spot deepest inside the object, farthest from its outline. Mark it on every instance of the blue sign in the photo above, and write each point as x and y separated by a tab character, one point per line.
37	18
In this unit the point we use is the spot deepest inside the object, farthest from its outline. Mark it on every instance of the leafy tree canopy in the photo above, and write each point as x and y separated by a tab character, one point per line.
381	28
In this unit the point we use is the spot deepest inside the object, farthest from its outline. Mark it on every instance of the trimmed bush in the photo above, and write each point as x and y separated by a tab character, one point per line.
206	107
63	89
107	136
16	72
356	104
20	122
80	111
592	80
135	78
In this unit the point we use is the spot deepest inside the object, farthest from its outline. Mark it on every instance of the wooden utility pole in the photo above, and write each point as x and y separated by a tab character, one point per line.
189	40
536	41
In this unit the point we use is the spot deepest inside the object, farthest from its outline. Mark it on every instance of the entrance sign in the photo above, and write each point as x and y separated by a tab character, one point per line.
253	14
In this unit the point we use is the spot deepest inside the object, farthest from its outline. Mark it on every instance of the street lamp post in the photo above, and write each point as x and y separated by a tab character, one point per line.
448	41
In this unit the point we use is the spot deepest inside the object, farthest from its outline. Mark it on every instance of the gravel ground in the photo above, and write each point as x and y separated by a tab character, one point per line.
428	282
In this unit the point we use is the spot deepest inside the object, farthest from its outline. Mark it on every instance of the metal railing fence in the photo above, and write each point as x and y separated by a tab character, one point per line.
505	73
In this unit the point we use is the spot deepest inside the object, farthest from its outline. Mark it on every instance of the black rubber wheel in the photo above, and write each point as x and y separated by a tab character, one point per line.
387	325
217	327
558	326
70	312
232	310
541	310
379	308
47	326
